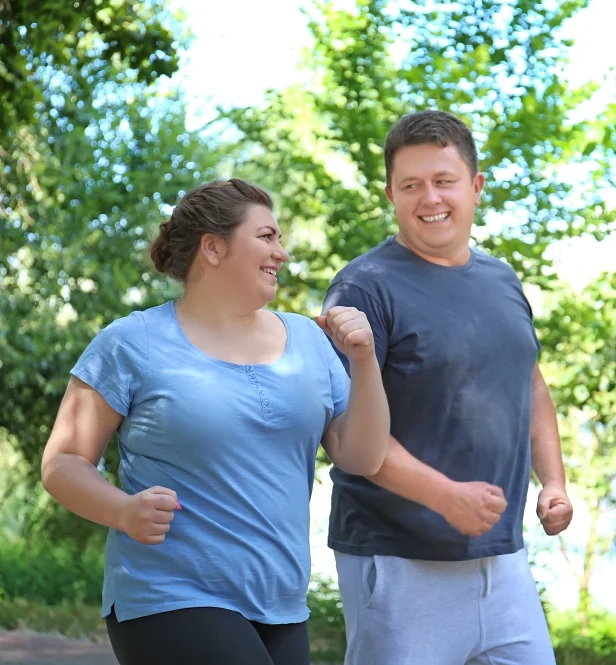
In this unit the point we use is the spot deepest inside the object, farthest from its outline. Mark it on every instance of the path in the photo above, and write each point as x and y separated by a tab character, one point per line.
25	647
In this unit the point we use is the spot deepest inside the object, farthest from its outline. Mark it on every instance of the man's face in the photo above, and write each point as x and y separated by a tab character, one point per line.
434	198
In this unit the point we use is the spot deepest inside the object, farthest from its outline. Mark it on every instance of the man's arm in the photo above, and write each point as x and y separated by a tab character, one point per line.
470	507
553	506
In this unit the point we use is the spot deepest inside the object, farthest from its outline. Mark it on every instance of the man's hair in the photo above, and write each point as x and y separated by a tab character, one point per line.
438	127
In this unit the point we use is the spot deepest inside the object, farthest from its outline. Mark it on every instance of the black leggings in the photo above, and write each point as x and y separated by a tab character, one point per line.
206	636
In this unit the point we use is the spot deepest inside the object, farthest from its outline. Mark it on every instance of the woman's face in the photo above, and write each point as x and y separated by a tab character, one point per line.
254	256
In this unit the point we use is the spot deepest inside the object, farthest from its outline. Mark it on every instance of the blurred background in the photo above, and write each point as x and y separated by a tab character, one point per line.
109	109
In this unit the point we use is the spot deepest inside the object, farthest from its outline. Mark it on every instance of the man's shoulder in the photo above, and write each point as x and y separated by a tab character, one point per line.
493	265
363	271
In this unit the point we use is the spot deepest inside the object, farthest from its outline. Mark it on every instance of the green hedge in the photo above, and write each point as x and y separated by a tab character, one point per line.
50	575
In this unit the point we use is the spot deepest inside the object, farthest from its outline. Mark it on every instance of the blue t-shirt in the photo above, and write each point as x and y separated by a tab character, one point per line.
237	443
457	349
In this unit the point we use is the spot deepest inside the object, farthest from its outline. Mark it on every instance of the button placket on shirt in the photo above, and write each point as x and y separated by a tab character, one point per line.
265	403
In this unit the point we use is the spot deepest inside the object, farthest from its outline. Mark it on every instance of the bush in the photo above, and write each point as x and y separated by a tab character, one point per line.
50	575
588	641
72	620
326	623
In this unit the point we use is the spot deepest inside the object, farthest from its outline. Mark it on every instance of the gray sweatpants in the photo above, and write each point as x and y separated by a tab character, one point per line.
409	612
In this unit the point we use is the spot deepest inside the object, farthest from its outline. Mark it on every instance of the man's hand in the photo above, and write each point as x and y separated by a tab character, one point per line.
474	507
350	331
554	509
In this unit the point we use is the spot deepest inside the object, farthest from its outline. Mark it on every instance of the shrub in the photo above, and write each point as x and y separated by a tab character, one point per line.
587	641
50	575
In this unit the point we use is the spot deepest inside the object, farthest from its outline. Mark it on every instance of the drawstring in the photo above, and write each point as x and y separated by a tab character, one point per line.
488	576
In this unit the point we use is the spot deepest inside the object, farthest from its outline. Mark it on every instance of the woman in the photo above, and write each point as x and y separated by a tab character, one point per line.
220	406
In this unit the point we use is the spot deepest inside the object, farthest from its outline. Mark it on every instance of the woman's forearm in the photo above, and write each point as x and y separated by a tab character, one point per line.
364	434
75	483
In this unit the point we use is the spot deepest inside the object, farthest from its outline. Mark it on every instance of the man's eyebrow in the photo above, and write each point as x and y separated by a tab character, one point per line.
450	174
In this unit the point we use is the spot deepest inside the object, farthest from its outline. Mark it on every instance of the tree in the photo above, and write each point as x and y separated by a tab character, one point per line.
39	37
320	146
83	189
578	337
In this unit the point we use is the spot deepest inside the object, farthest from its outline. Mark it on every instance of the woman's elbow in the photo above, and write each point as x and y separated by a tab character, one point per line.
368	466
50	465
47	470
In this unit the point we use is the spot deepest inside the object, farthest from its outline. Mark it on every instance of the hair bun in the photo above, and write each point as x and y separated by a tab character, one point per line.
160	252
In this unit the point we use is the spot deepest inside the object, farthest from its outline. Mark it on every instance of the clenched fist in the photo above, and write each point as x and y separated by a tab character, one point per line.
350	331
474	507
554	509
146	516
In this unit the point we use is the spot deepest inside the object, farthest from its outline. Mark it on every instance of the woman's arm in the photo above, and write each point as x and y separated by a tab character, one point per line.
357	440
83	427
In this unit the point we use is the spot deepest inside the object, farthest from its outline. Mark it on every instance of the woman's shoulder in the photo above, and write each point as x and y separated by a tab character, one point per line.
138	321
298	321
301	324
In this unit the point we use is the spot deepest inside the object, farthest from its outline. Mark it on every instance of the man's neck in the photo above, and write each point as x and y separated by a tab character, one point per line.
456	258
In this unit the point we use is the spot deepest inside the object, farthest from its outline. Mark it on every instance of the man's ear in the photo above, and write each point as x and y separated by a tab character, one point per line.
388	193
478	183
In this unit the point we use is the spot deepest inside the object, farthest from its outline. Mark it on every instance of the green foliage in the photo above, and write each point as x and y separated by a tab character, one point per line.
51	575
579	354
39	38
69	619
326	624
82	190
579	334
588	642
498	65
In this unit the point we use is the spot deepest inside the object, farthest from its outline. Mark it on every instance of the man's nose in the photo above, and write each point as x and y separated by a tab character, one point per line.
432	194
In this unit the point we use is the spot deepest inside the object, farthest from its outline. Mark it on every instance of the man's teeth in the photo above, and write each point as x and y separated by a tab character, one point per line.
435	218
269	271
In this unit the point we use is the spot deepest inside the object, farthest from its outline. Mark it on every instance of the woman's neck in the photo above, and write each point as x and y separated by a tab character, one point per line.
215	310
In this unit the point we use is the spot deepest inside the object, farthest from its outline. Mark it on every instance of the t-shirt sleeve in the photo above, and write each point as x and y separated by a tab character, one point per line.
530	313
115	362
341	293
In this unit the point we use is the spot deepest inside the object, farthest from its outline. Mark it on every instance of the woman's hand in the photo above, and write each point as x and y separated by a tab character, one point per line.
146	517
350	331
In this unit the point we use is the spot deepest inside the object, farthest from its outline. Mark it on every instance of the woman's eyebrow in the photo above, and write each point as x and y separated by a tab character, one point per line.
272	229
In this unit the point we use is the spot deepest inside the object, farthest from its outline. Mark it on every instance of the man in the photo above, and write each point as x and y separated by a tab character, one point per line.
429	551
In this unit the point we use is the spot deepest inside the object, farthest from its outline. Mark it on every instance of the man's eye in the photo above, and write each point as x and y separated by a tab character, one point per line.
268	236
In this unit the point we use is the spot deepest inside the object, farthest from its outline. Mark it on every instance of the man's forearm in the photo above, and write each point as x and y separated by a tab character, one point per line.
405	475
545	440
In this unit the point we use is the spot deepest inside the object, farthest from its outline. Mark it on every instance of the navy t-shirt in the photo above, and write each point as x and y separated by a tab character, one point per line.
457	349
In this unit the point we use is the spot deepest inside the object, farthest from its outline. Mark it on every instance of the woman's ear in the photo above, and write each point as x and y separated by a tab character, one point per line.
212	248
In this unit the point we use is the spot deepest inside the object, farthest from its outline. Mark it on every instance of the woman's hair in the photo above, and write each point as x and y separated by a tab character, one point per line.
217	207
